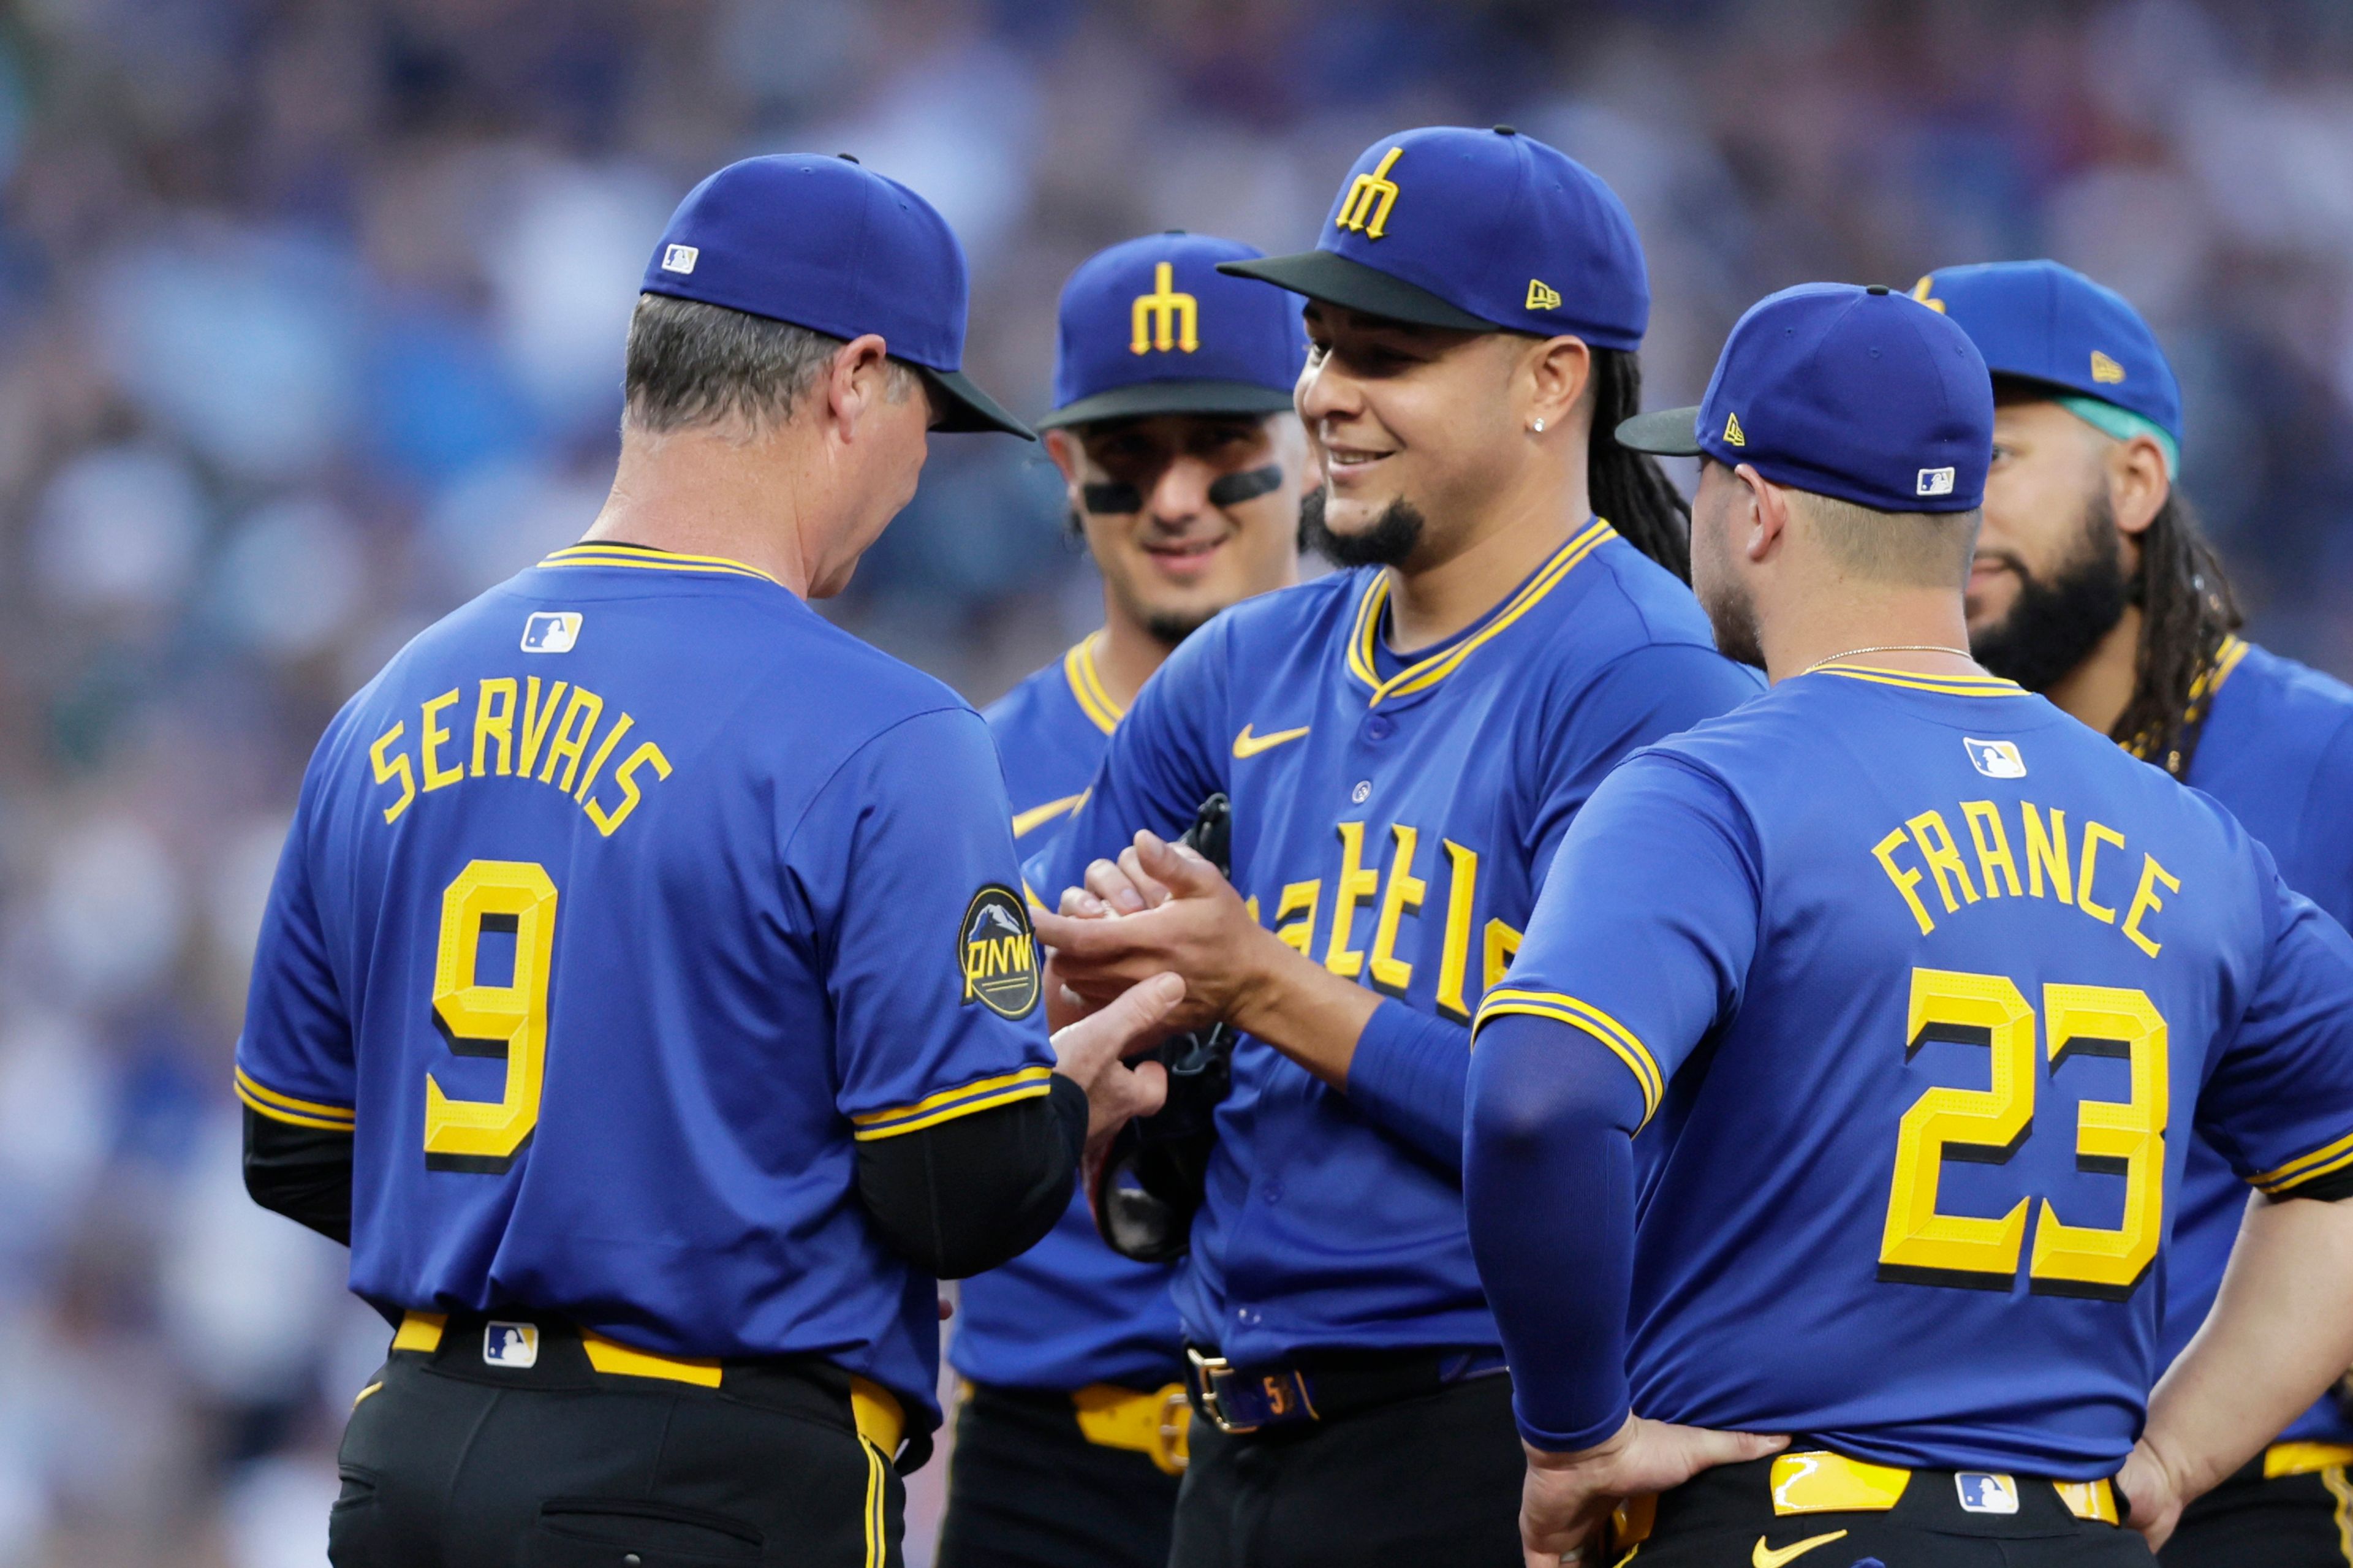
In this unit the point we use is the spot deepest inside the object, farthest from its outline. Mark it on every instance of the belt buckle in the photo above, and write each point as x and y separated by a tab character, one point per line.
1209	1373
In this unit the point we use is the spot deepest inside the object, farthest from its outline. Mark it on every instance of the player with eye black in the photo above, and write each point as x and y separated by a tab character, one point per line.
646	993
1402	743
1917	992
1174	431
2093	587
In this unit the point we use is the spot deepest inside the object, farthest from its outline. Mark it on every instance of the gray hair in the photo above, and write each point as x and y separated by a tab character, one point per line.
693	365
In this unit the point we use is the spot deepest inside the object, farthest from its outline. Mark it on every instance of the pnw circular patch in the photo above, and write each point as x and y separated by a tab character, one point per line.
998	953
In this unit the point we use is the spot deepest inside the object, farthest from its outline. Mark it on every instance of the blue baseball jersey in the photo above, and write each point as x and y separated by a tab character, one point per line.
616	910
1392	819
1069	1311
1925	987
2277	750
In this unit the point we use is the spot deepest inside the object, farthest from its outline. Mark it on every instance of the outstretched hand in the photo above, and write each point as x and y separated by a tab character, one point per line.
1161	907
1090	1054
1567	1498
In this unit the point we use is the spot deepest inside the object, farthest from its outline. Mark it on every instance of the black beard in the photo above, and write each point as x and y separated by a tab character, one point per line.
1390	541
2054	626
1168	629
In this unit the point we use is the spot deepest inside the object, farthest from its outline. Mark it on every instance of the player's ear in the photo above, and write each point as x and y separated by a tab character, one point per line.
2137	483
1760	513
856	379
1561	372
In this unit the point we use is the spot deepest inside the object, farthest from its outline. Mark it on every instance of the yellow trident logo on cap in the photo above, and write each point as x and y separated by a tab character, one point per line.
1366	210
1173	319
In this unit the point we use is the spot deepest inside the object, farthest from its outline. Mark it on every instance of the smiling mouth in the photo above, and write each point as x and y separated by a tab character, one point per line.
1348	462
1183	553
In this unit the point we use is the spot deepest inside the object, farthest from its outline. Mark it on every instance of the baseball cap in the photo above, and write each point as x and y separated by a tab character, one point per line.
1477	230
2044	322
825	244
1151	326
1844	391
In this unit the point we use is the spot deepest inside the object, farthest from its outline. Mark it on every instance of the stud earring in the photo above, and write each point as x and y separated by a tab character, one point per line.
1539	426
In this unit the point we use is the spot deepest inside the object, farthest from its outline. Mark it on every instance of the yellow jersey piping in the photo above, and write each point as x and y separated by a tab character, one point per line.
648	560
1949	685
1425	673
2321	1161
950	1103
1087	687
287	1109
1584	1015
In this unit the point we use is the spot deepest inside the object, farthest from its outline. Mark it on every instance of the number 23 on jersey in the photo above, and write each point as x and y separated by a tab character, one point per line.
1923	1245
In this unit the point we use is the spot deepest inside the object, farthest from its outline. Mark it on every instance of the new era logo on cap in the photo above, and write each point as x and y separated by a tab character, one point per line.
1936	482
1542	296
551	631
678	258
2105	370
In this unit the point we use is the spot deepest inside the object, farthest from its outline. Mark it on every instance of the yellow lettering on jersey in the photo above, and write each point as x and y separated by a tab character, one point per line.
1298	899
572	738
536	720
429	736
2095	834
1357	883
991	956
1993	846
1400	898
1502	943
2046	851
648	754
495	722
1936	848
2146	903
1885	853
621	727
1455	959
398	768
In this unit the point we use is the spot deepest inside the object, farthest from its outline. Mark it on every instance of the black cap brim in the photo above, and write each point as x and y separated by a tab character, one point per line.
1149	397
961	405
1334	280
1667	432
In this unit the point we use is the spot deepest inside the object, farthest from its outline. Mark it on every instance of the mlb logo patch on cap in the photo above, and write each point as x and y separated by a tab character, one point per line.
551	631
1936	482
515	1345
1983	1493
678	258
1995	758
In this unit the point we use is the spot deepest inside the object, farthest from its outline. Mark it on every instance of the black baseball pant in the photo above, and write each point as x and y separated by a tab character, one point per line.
2287	1522
1025	1490
1430	1479
451	1463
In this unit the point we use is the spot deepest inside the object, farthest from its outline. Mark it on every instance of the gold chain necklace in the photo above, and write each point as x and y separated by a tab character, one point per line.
1886	647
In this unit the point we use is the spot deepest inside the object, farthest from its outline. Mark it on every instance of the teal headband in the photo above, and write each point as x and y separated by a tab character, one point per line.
2124	425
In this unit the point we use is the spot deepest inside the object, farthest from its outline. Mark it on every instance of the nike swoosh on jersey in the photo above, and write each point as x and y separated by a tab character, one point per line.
1248	746
1766	1557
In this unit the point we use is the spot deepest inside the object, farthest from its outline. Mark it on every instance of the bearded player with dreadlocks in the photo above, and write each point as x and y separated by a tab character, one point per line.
2093	587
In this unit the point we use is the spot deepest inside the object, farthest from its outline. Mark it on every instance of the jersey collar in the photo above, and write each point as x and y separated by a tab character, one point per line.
645	558
1913	680
1425	673
1094	700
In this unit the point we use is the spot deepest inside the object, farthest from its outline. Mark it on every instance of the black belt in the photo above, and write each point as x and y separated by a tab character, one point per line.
1328	1388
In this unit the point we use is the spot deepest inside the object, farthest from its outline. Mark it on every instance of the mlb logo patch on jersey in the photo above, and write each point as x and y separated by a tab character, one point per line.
510	1344
1983	1493
551	631
998	953
1936	482
1995	758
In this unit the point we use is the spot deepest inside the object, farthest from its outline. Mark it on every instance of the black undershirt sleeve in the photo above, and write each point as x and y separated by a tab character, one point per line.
302	1172
963	1196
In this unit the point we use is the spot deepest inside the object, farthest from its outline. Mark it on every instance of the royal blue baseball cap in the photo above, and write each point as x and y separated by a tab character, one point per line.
1861	393
825	244
1153	327
1476	230
2039	322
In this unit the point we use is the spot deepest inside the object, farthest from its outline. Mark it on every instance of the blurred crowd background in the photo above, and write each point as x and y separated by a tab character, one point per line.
310	319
